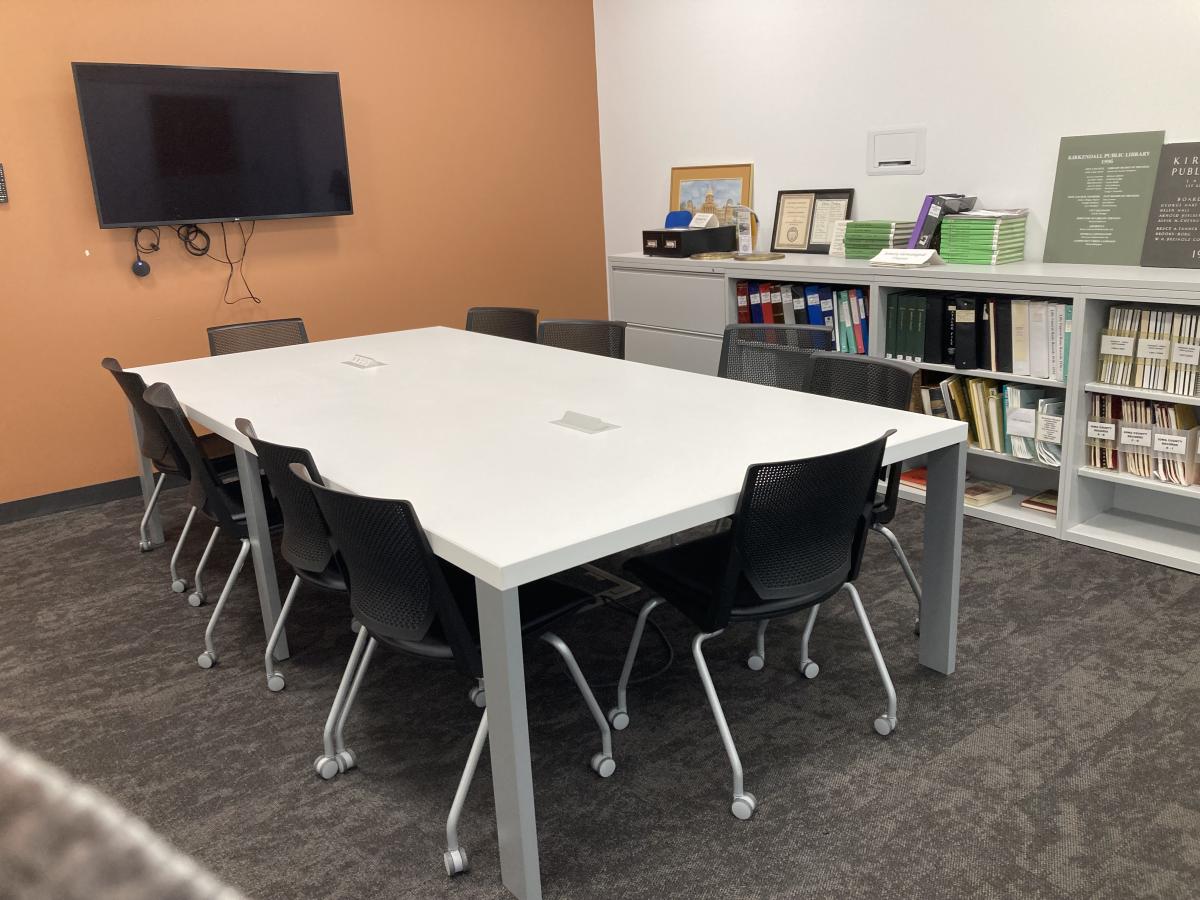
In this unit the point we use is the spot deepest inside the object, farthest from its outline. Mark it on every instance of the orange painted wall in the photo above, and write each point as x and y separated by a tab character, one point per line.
473	139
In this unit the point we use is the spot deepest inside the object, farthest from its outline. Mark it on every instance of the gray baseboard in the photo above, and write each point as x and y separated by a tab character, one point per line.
75	498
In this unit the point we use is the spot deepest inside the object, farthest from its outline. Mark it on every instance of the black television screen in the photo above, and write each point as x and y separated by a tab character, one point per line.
171	145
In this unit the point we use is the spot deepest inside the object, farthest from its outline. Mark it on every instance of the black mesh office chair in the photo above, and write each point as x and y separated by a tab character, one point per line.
504	321
796	540
600	337
156	447
217	501
245	336
774	355
408	600
880	382
305	542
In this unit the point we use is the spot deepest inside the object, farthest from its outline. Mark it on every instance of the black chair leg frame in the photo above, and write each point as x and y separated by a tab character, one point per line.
744	803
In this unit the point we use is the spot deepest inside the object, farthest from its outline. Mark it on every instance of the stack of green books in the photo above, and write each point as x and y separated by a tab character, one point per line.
865	239
984	237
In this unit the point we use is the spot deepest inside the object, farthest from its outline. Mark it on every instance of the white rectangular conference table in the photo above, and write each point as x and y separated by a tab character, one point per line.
460	425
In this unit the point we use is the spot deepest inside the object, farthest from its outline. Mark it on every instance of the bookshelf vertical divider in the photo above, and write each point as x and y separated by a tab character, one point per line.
667	303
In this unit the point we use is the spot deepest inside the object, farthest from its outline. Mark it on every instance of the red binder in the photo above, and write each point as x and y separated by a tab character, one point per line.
743	304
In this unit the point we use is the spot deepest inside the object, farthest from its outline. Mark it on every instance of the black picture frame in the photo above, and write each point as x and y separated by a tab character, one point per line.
817	195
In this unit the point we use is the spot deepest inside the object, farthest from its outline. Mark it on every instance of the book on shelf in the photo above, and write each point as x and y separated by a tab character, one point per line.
865	238
743	303
755	298
844	310
915	479
1005	335
984	236
776	305
983	493
788	306
1154	348
933	403
812	305
1046	501
1150	439
934	209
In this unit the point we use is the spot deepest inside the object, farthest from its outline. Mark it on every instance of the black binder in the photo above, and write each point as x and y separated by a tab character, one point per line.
935	330
966	332
1003	323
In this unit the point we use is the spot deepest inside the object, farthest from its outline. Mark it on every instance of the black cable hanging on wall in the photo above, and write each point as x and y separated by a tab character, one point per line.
197	242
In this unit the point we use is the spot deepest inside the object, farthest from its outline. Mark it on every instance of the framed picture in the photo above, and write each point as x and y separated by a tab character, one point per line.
712	189
804	220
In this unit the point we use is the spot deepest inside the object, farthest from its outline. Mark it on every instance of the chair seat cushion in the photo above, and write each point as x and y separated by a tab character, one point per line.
331	579
689	576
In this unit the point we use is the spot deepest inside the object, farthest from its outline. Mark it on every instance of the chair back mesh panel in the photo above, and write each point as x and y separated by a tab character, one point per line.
305	541
156	442
800	525
504	321
774	355
397	588
245	336
865	379
602	338
205	490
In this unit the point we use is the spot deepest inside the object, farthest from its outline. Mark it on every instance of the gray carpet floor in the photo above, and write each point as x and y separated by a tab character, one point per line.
1062	760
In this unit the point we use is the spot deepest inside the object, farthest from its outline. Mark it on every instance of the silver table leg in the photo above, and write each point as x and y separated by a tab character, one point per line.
146	477
512	775
260	545
943	551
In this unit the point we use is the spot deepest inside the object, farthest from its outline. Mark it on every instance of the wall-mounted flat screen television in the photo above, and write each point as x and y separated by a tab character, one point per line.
172	145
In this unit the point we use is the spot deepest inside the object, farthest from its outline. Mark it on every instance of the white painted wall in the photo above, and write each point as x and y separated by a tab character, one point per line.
794	87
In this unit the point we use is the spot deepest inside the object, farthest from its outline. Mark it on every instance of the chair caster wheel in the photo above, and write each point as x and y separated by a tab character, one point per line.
275	682
917	627
144	546
355	626
456	861
478	696
618	718
326	766
346	760
195	598
744	806
809	669
179	585
206	660
755	662
885	725
603	765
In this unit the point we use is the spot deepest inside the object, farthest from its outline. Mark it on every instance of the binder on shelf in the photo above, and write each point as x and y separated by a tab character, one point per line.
812	303
984	331
1020	337
864	314
890	316
1002	324
776	305
755	298
1039	361
789	308
935	331
828	314
743	303
966	333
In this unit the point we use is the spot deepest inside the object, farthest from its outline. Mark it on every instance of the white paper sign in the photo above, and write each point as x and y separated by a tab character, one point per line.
1153	348
1102	431
907	259
1188	354
359	361
1022	423
1049	429
1112	345
1135	437
1170	443
703	220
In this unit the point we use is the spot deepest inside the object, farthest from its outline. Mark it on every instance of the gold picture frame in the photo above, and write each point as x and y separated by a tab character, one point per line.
715	189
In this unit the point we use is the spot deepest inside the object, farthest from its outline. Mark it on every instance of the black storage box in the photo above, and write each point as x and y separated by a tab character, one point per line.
683	242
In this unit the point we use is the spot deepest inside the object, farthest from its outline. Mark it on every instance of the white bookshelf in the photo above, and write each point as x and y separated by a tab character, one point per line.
1099	508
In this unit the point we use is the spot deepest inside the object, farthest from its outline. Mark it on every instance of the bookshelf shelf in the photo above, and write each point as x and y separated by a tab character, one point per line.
1146	537
1137	481
988	373
1099	387
1008	511
688	302
992	454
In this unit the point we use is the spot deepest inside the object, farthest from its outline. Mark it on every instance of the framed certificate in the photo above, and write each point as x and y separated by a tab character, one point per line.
804	220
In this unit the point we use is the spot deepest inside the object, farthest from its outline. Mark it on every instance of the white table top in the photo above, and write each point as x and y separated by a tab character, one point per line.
459	424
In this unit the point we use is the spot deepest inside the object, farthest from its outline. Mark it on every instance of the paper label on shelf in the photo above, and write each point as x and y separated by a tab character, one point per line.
703	220
1102	431
1188	354
1170	443
1135	437
1114	345
1022	423
1153	348
1049	429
